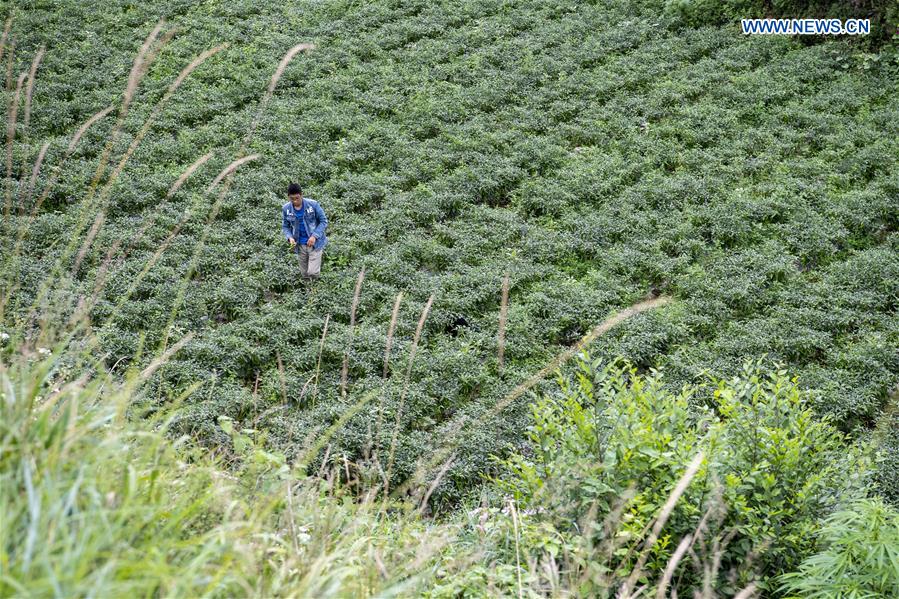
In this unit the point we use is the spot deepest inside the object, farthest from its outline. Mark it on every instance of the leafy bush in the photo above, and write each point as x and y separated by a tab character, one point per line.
619	441
888	462
859	555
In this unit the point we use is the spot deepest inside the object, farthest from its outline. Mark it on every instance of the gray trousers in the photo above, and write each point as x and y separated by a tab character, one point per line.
310	262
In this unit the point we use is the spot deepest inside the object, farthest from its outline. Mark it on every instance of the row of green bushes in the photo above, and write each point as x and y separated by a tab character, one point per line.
582	148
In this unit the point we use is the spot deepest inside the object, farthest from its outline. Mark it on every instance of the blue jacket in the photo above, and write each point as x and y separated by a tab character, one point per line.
314	220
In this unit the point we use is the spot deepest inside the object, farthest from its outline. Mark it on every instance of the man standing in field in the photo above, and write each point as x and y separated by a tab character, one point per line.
303	223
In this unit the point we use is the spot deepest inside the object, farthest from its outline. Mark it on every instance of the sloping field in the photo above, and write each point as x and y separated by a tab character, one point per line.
589	151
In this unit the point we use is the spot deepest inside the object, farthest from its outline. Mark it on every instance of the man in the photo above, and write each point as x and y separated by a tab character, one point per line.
303	223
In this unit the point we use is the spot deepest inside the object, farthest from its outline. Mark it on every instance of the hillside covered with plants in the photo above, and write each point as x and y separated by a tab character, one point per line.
610	302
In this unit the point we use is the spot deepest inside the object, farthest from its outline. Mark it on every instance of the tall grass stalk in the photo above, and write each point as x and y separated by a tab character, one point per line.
188	172
5	35
503	316
201	243
12	279
388	347
10	138
263	103
151	220
29	89
270	90
70	149
138	138
35	171
453	440
10	63
344	371
517	548
399	410
391	329
661	519
147	53
227	171
96	504
318	361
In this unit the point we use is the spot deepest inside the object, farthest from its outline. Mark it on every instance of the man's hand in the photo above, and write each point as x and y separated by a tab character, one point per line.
292	241
311	242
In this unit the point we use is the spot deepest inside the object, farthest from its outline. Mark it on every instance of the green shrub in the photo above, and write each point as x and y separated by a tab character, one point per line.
888	455
617	440
859	556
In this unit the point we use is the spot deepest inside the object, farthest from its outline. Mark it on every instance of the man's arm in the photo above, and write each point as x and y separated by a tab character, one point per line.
285	226
322	222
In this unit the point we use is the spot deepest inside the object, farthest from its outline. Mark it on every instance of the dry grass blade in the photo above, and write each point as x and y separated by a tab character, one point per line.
282	66
282	378
149	50
676	557
517	549
418	329
30	88
210	216
139	67
35	171
503	316
230	169
187	174
89	240
388	346
173	233
344	372
747	592
192	66
86	304
264	102
5	36
434	484
132	242
605	326
660	521
83	129
69	151
10	138
173	87
162	359
303	461
149	222
318	364
132	147
399	412
145	57
9	63
273	83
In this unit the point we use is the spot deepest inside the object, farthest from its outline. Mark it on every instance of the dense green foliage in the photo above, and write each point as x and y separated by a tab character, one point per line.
770	469
860	557
94	503
585	149
191	433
